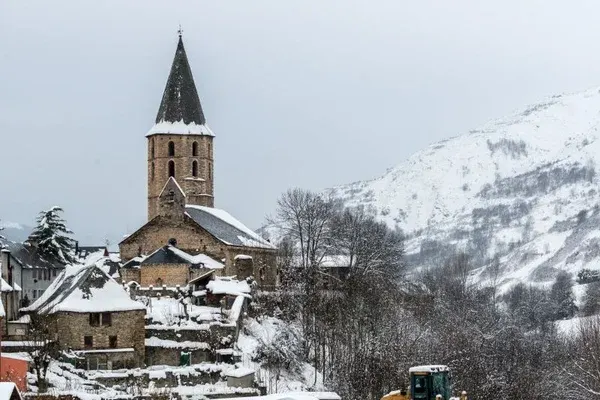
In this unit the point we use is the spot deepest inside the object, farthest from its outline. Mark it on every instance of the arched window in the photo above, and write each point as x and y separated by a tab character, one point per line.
171	149
194	168
152	148
152	171
210	172
172	168
195	149
209	148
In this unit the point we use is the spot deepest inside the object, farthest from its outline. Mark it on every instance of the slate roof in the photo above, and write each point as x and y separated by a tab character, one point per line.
84	251
172	255
226	228
164	256
27	256
180	99
84	289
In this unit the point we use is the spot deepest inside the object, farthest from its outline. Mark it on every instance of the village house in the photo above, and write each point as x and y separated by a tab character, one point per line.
168	266
32	273
181	189
92	316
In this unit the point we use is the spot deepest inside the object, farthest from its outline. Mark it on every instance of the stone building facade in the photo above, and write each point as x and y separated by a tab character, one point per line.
89	313
181	190
107	340
169	267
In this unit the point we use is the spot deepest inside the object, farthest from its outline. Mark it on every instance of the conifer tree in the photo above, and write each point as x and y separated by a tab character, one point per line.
562	297
50	236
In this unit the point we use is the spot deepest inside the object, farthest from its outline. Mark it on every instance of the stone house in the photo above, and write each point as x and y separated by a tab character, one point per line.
92	316
168	266
181	189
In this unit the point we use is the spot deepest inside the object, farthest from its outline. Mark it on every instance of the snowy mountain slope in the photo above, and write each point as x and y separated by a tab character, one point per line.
523	187
15	232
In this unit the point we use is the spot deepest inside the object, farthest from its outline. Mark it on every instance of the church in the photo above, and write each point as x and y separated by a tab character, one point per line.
181	212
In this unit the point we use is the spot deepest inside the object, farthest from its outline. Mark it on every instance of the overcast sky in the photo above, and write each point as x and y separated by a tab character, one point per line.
299	93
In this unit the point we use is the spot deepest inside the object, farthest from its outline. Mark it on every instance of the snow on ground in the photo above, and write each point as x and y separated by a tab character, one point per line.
265	330
166	311
570	327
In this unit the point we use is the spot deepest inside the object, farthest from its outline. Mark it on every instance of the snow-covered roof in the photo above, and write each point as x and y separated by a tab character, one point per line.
429	368
27	256
180	128
225	227
7	389
242	257
172	255
4	286
239	372
223	285
84	289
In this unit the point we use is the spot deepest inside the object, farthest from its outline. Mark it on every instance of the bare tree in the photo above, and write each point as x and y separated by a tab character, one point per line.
42	346
584	373
371	247
304	216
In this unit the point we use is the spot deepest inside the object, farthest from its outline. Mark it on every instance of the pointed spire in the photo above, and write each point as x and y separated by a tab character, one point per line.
180	99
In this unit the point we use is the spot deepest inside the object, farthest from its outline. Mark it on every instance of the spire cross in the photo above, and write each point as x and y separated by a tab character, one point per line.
180	31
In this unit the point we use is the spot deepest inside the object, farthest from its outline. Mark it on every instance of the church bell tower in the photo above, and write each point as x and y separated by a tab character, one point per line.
180	144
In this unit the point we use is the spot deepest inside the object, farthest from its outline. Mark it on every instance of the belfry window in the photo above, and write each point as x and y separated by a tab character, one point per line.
152	171
172	168
171	149
194	149
194	168
152	148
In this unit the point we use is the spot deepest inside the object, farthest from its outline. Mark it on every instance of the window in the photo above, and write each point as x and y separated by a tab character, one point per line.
194	168
88	341
94	319
152	171
112	342
54	272
106	319
210	172
195	149
171	149
152	148
172	168
209	148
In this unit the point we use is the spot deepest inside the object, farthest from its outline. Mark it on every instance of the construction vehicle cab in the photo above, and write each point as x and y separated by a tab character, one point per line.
428	381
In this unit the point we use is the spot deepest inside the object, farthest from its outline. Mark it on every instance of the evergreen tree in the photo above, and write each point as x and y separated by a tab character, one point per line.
562	296
50	237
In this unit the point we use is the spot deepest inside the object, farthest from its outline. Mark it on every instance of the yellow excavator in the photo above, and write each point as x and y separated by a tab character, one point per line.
427	382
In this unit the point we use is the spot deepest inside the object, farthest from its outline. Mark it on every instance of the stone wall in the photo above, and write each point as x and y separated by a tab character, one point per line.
192	239
171	356
158	172
128	326
164	274
130	274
